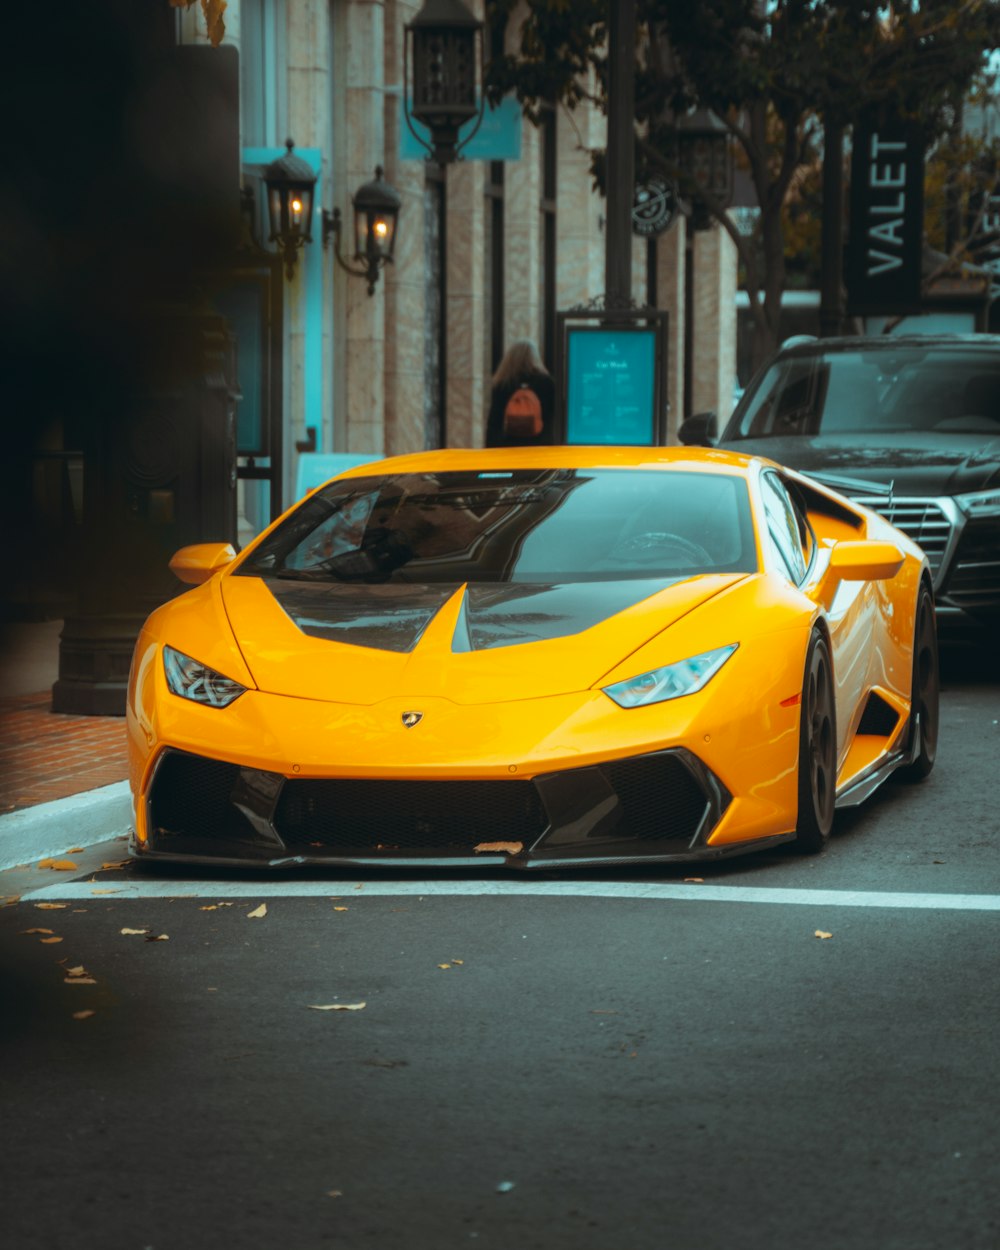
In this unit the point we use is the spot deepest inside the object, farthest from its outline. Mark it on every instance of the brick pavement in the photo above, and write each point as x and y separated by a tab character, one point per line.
46	755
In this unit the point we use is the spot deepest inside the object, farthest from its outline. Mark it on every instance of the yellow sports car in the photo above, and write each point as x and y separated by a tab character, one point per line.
534	657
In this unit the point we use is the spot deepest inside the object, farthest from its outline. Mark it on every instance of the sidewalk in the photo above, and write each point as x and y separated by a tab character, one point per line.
61	777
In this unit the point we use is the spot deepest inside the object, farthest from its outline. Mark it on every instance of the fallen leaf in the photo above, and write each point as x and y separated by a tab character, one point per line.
105	891
360	885
79	981
210	907
336	1006
695	880
458	961
114	867
509	848
82	1015
51	906
74	850
36	930
78	970
158	937
48	941
135	931
335	1193
820	933
258	913
59	865
446	967
11	899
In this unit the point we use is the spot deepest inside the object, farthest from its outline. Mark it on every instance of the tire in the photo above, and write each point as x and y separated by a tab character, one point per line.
925	690
817	750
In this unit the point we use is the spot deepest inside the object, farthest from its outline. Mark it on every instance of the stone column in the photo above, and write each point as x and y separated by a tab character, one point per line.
670	295
580	244
406	279
714	323
466	400
363	137
523	241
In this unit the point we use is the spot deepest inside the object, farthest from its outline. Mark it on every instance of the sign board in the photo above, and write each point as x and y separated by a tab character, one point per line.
885	250
611	385
654	208
497	139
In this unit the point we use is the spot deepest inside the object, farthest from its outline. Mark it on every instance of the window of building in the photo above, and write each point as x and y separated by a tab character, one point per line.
262	72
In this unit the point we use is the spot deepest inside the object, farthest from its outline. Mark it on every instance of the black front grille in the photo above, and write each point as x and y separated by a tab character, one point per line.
601	809
975	576
190	798
408	816
659	797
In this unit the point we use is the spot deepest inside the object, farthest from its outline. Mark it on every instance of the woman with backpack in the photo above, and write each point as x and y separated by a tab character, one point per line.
522	401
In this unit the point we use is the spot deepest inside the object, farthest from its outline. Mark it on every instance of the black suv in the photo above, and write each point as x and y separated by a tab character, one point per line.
909	426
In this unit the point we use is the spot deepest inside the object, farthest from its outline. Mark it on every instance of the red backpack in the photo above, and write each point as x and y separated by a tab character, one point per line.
522	418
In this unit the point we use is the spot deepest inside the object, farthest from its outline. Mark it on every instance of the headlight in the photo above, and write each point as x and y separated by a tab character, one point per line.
193	680
684	677
981	502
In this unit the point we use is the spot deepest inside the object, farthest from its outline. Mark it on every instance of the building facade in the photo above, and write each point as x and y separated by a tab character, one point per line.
487	250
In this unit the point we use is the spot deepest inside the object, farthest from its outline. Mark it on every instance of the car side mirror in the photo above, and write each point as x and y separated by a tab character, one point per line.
699	430
857	562
865	561
199	562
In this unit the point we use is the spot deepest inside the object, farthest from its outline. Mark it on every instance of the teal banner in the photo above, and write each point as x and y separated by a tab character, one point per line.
497	139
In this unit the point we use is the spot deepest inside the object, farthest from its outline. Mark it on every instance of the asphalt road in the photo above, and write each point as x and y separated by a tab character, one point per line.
613	1059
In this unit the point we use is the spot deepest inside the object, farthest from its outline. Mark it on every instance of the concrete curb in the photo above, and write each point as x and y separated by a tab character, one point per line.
52	828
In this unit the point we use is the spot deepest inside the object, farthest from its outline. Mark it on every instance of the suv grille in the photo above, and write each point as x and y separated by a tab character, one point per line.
923	520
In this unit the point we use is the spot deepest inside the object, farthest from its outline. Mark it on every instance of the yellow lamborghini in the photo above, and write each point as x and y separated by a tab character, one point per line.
534	657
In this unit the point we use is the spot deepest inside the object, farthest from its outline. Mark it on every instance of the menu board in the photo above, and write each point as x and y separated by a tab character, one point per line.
611	386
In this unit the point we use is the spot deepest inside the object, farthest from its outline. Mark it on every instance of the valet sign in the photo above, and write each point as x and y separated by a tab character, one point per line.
887	218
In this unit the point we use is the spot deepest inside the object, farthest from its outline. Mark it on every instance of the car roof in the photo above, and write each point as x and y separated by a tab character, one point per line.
891	342
681	459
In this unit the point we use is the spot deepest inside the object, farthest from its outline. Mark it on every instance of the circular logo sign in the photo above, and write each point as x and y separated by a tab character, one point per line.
654	207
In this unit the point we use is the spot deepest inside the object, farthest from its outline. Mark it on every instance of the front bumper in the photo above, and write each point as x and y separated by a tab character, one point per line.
660	806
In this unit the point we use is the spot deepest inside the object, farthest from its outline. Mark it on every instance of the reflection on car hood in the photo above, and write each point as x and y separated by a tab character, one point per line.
916	462
359	644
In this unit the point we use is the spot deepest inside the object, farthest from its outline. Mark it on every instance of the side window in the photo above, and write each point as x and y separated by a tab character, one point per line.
787	527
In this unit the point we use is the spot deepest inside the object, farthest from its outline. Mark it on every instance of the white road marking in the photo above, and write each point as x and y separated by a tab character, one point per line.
643	890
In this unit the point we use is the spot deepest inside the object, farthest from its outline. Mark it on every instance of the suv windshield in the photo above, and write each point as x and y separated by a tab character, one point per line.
536	526
873	390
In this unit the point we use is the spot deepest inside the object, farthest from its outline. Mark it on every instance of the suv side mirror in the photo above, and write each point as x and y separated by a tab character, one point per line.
700	430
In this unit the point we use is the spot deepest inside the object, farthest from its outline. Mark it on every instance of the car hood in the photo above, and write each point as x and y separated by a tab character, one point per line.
922	462
472	644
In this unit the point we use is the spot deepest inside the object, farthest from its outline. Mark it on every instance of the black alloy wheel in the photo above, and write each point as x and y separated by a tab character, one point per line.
817	750
925	691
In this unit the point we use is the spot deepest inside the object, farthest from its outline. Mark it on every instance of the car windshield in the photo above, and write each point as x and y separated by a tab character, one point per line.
881	390
536	526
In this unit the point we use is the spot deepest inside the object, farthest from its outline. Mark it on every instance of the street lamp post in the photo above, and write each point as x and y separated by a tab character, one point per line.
442	71
620	164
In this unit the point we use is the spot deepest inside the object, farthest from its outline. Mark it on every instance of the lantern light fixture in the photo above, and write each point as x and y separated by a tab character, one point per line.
442	75
376	209
705	157
291	185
